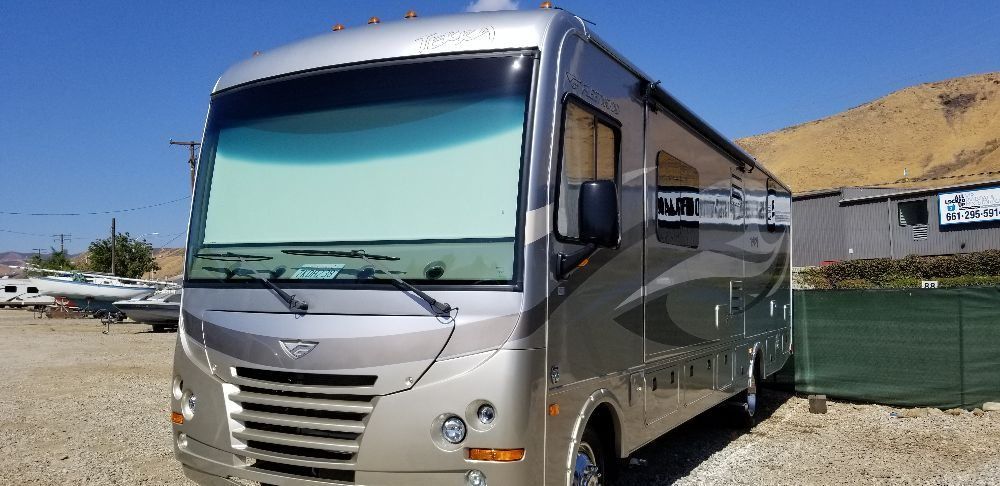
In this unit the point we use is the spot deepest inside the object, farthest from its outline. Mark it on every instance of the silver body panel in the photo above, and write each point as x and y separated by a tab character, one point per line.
636	335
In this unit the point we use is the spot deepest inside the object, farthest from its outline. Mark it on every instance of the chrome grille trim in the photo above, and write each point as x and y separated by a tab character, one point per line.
338	445
303	422
302	403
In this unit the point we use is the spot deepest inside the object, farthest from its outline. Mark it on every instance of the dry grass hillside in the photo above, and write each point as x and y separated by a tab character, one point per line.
171	262
939	132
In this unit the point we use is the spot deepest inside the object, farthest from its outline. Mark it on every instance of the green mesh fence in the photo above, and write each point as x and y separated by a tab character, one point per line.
909	347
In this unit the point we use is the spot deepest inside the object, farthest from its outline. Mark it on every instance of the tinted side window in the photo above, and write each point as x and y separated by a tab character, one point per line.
10	288
678	201
32	290
589	152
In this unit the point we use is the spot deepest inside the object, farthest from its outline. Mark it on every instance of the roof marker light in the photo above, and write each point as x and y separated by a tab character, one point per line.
374	20
546	5
338	27
410	15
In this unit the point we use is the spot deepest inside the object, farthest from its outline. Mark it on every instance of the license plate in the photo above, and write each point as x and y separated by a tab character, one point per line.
322	271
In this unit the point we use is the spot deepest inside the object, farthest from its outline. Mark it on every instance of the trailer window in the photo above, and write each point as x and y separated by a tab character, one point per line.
589	152
912	213
678	201
10	289
32	290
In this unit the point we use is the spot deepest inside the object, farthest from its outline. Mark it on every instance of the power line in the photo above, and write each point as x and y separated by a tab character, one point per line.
94	213
21	233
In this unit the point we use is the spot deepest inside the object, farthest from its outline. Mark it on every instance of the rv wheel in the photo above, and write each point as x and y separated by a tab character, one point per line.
747	400
589	466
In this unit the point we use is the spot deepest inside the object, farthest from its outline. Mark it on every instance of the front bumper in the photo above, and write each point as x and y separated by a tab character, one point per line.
397	446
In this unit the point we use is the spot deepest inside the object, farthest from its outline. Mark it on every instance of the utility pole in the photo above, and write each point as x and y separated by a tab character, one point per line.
112	246
38	251
62	241
193	158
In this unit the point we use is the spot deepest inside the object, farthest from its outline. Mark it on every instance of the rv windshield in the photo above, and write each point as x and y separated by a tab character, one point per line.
420	161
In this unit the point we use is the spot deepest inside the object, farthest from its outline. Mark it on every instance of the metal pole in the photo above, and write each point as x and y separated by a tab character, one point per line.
192	157
112	246
62	241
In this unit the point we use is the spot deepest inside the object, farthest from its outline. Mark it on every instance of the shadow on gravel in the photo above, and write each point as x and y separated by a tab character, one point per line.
676	454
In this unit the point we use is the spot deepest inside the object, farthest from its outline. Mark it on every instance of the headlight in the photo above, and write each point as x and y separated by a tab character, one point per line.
453	430
486	414
188	404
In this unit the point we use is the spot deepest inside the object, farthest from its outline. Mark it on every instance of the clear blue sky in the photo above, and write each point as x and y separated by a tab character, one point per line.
90	92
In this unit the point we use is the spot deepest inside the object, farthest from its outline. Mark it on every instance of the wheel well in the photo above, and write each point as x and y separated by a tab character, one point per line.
603	422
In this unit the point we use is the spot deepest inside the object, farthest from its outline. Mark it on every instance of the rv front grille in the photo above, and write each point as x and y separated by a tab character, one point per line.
289	452
305	379
288	423
339	475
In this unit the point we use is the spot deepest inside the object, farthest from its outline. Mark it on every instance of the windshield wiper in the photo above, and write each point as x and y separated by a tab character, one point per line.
233	257
440	308
290	300
345	254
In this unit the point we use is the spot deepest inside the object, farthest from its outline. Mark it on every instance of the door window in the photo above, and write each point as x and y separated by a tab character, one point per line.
589	152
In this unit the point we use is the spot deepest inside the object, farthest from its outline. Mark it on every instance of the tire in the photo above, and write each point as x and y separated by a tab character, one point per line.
748	401
590	467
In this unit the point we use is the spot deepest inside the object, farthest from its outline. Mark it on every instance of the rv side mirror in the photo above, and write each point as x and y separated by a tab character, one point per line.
598	212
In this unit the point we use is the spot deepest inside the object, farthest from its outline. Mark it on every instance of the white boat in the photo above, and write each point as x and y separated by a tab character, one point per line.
160	310
85	288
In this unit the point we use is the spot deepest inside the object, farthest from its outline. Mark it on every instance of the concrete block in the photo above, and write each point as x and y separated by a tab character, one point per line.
817	403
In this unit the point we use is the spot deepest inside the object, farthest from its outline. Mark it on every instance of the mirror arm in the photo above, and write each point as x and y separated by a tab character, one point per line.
569	262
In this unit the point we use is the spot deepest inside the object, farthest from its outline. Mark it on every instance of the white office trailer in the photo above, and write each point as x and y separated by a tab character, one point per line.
852	223
466	250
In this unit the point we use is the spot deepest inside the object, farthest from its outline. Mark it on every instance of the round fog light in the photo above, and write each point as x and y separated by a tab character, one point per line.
486	414
475	477
182	440
453	430
188	404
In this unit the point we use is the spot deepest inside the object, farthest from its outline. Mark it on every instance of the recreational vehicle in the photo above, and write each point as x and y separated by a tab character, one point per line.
465	250
20	292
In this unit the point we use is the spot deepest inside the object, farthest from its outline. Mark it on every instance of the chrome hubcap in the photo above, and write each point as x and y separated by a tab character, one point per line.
585	471
751	405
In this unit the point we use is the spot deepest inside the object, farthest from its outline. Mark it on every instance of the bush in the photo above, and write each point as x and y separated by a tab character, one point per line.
963	270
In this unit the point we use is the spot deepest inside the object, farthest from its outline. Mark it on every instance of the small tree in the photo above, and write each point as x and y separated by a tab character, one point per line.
57	260
133	257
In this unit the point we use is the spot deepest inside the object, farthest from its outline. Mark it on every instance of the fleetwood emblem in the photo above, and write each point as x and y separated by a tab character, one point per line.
296	348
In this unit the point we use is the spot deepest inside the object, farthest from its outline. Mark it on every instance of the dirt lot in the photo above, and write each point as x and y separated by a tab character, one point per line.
80	407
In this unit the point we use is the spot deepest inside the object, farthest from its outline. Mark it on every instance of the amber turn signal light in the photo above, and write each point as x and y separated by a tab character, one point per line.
496	455
177	418
554	409
545	5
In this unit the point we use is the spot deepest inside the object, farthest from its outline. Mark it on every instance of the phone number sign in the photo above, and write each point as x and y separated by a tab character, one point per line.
973	206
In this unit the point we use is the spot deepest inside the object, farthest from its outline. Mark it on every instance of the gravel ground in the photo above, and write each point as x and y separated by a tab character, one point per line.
80	407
